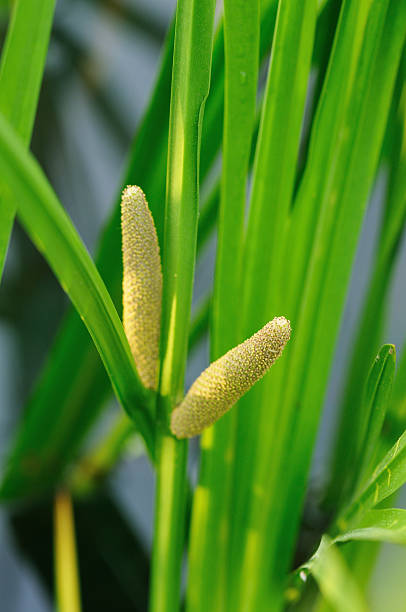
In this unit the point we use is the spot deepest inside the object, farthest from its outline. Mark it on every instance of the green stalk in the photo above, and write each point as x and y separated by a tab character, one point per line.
208	580
21	70
190	86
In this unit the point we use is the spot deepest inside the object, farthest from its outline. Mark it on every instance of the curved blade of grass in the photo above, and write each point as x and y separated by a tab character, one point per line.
207	583
334	579
21	70
388	476
97	463
190	87
369	416
387	525
53	436
377	395
54	235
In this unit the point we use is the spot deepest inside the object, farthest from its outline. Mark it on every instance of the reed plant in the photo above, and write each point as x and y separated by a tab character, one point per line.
301	150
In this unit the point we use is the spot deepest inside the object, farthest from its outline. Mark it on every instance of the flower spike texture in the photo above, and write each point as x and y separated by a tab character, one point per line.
142	284
226	380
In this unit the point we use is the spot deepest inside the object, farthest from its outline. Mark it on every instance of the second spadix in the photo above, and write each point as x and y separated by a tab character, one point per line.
226	380
142	284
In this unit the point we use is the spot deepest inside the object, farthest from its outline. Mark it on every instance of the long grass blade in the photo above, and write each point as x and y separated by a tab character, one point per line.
54	235
207	584
274	172
369	417
54	436
377	396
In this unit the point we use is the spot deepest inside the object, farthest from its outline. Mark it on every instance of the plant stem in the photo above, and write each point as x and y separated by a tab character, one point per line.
66	569
190	85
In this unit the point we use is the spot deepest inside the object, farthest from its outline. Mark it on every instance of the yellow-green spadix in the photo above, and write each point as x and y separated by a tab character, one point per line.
142	284
222	384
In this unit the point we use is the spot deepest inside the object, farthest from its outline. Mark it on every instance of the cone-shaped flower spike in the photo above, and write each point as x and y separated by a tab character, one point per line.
142	284
226	380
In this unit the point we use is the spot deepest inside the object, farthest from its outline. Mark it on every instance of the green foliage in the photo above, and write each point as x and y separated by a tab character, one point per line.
386	525
300	157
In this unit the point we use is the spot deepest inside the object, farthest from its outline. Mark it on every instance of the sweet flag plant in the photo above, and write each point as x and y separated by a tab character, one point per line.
270	125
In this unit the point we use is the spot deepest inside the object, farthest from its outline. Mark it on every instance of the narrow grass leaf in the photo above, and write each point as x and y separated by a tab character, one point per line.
190	87
54	235
388	476
377	396
207	583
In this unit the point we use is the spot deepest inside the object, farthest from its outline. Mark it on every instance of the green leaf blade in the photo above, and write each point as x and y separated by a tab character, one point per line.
209	542
378	391
21	71
386	525
55	236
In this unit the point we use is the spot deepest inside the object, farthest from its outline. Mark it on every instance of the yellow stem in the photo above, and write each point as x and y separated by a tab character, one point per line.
66	568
